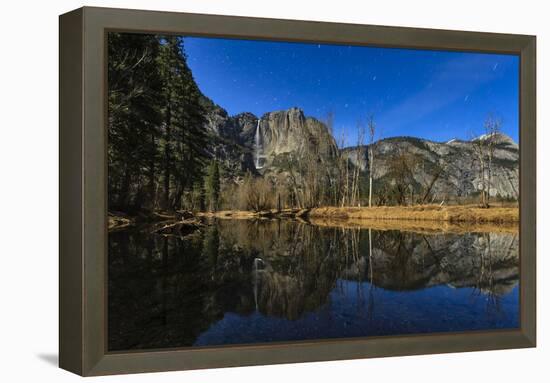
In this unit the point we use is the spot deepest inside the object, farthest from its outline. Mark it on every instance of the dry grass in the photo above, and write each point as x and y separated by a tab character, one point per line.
471	214
423	219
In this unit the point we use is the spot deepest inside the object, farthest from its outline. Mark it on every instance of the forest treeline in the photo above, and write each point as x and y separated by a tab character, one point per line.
156	136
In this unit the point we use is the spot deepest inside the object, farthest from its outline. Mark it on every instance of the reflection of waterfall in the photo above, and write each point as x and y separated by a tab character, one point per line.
258	152
257	262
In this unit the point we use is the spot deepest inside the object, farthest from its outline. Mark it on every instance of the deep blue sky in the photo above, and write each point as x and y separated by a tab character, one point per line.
431	94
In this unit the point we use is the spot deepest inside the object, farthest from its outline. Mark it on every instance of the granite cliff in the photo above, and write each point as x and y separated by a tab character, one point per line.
268	145
455	160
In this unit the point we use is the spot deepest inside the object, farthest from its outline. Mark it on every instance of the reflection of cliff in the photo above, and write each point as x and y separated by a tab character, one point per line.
400	260
403	262
165	291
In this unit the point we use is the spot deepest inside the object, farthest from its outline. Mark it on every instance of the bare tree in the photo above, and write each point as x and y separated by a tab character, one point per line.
343	170
432	174
484	149
372	131
359	166
402	167
257	193
492	130
480	151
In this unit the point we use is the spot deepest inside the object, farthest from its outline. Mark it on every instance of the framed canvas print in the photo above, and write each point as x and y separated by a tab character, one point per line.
242	191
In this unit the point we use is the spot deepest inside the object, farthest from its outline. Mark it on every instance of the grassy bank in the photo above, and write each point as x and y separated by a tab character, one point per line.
421	219
458	218
454	214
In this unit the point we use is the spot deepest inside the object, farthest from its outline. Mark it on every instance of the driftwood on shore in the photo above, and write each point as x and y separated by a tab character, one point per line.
264	214
180	228
182	222
432	217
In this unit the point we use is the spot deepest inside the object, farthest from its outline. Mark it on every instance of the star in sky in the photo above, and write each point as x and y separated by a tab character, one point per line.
410	91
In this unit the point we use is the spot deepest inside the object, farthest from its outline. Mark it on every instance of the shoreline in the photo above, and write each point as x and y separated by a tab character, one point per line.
454	218
454	214
459	214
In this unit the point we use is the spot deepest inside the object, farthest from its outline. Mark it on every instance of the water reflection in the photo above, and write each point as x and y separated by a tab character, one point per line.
239	281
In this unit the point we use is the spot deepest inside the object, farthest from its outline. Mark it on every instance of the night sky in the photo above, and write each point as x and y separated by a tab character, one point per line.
436	95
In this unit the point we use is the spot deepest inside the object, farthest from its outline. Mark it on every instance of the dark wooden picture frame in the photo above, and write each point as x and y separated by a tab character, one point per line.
83	202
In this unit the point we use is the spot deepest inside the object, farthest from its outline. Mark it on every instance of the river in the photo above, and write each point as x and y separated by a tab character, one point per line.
257	281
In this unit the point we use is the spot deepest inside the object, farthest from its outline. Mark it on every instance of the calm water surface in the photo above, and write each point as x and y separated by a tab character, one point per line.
242	281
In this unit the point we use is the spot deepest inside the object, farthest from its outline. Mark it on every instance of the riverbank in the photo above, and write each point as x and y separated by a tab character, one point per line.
424	217
245	214
471	214
464	214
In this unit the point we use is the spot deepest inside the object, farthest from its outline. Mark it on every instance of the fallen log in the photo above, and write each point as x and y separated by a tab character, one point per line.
183	227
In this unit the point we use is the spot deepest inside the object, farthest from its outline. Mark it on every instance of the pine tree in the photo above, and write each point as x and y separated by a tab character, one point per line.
133	116
197	196
184	135
212	186
156	135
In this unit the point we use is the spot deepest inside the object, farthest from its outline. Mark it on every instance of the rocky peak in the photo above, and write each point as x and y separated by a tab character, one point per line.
281	133
290	131
246	125
457	158
499	138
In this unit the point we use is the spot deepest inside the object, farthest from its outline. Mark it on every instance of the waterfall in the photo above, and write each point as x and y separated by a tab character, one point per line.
257	146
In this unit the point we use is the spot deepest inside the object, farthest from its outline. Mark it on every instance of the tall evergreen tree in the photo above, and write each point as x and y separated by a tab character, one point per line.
197	196
134	115
212	186
183	124
156	135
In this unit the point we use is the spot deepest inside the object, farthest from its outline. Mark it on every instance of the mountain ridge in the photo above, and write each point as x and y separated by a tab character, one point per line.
291	137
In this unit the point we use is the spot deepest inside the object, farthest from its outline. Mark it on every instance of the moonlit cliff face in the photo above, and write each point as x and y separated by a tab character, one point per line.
457	159
291	136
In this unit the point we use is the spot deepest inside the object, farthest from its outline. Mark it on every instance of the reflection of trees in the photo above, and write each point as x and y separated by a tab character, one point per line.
370	308
165	291
490	285
149	292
